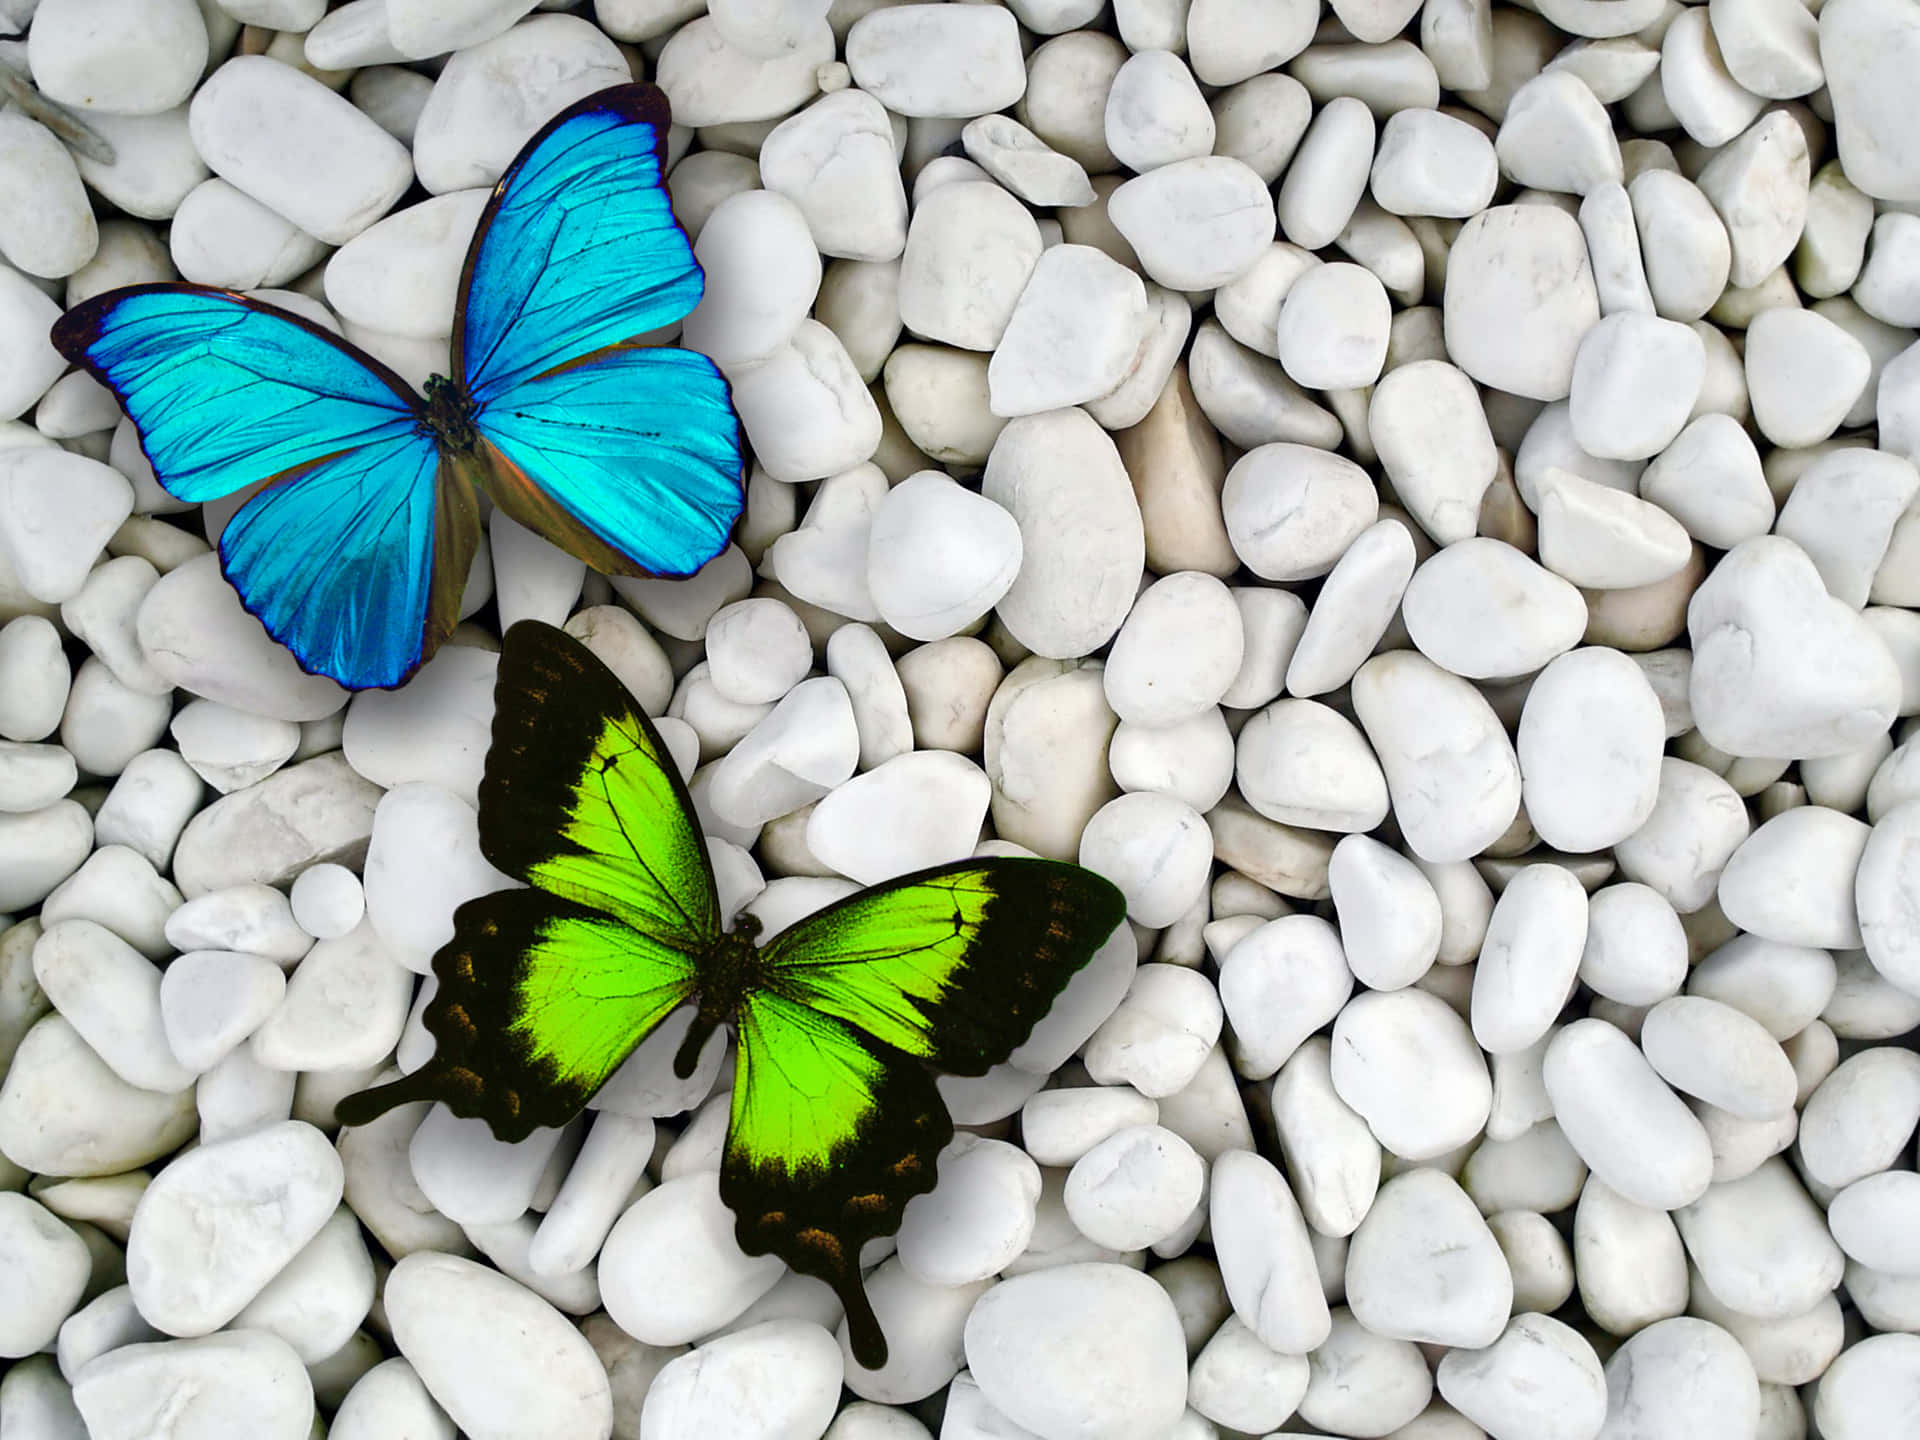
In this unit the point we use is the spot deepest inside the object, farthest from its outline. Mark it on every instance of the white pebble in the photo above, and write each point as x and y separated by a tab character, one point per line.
978	1217
1266	1258
1195	224
1761	1244
1423	1266
1333	328
1482	609
1280	982
1589	744
45	1266
1530	959
908	813
671	1270
1630	1129
56	512
1792	880
1427	424
1160	1034
922	60
1073	333
1540	1379
835	161
762	276
1519	297
1406	1061
238	1383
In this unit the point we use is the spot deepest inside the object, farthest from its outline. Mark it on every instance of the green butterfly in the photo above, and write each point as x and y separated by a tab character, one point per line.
835	1122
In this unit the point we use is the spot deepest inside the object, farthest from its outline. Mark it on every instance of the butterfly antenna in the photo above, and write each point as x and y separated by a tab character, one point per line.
365	1105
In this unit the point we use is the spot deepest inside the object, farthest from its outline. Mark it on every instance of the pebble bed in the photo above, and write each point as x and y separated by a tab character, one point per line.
1420	495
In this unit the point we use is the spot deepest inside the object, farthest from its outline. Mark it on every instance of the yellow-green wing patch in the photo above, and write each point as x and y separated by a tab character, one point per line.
581	799
952	965
831	1134
539	1002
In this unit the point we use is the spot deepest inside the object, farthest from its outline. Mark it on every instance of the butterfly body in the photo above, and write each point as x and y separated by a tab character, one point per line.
355	550
840	1020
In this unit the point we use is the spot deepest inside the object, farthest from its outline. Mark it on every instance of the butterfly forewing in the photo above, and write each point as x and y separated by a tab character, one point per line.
580	798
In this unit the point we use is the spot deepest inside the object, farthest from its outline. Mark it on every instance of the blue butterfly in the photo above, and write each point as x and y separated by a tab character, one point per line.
355	553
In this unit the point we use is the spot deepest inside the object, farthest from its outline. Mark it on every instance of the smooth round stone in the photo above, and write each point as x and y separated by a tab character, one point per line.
858	659
32	364
40	849
1761	1244
1450	769
1519	297
1843	512
64	1112
776	1379
1155	113
1636	950
1083	543
1020	160
1293	510
111	993
344	1008
1092	1350
939	397
1134	1188
496	1357
1328	173
1530	959
242	1383
1556	135
1710	480
1783	987
1177	653
34	679
757	650
1249	399
1359	1380
940	556
1405	1060
1589	744
1430	430
805	410
971	228
1886	889
1482	609
824	561
1683	242
230	749
1431	163
1423	1266
1159	1034
402	274
923	61
1333	328
1239	1382
1073	335
976	1220
1279	983
211	1000
194	632
1195	224
1192	760
1635	380
50	230
1803	373
1625	1124
1390	916
909	813
1867	1221
434	729
390	1399
1868	1387
1864	49
1698	821
221	1221
711	82
1539	1379
1780	667
57	511
254	113
1303	763
1057	1127
1156	848
1628	1260
1713	1051
123	58
1357	602
671	1270
1861	1116
1682	1377
835	161
422	862
1793	879
328	901
1330	1154
763	274
45	1265
1265	1254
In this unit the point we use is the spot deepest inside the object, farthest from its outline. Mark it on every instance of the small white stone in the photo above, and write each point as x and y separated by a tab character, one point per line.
32	364
1240	1382
128	59
435	728
1803	372
1605	539
1333	328
390	1399
111	995
1231	40
1293	510
762	276
1430	430
1792	880
1431	163
1761	1244
1089	1349
498	1359
1195	224
1636	950
804	408
1708	102
56	512
63	1112
33	777
45	1265
1356	604
243	1382
1160	1035
1406	1061
1698	821
1713	1051
1192	760
778	1378
231	749
1328	174
1635	381
1844	511
671	1271
804	747
1423	1266
1451	771
824	562
976	1219
1302	763
711	82
1556	135
993	234
835	161
327	901
1632	1132
1178	651
34	679
922	61
909	813
1330	1153
757	650
211	1000
1134	1188
1266	1258
1710	480
1864	49
1072	336
1530	959
1483	609
402	274
50	230
1390	917
1589	744
1048	777
344	1007
423	861
1279	983
218	1223
1020	160
1683	243
1155	113
1519	296
1156	848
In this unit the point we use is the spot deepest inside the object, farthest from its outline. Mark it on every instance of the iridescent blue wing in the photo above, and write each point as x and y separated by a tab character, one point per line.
354	555
629	457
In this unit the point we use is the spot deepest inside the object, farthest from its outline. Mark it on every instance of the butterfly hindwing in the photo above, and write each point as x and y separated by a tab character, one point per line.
629	457
581	799
353	557
539	1001
830	1135
954	965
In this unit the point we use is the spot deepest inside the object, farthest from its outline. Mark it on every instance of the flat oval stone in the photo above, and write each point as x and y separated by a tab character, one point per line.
63	1112
318	810
244	1382
502	1362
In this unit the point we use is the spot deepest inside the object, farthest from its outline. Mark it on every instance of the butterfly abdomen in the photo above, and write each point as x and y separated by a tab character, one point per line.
449	415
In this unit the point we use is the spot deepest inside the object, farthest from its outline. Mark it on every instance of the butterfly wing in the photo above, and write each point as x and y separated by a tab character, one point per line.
836	1123
628	457
540	1000
954	965
544	991
581	799
355	554
830	1135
